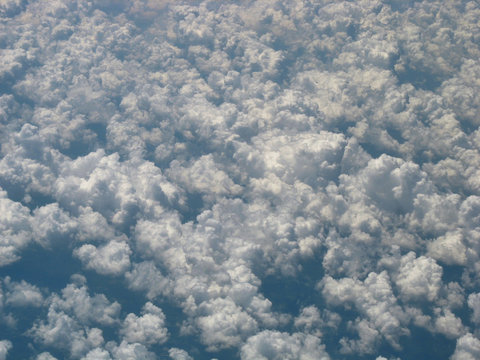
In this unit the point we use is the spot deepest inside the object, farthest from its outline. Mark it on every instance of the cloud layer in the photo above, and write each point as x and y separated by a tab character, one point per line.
247	179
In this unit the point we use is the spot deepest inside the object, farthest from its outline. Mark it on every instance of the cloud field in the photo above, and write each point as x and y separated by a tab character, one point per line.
241	179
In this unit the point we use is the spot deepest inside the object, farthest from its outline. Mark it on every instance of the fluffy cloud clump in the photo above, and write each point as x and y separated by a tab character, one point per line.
257	179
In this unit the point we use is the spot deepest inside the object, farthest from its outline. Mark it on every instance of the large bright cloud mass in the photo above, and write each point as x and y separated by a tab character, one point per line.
244	179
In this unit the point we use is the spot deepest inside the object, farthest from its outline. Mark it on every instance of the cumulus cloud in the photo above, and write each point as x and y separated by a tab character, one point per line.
15	228
311	320
22	294
474	304
69	317
375	300
195	162
468	347
126	351
224	324
278	345
45	356
147	278
449	249
110	259
5	346
179	354
146	329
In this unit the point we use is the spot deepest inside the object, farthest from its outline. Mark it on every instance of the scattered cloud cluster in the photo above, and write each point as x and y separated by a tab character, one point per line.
257	179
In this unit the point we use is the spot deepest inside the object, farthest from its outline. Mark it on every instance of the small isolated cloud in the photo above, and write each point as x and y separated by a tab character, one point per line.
179	354
45	356
110	259
5	346
22	294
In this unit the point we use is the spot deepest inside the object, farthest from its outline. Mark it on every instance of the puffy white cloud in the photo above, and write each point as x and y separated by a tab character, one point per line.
474	304
448	249
179	354
146	277
374	299
310	320
97	354
86	308
449	325
368	338
195	149
14	227
204	177
468	348
22	294
277	345
391	183
5	346
223	324
69	317
147	329
126	351
419	278
64	332
51	224
45	356
92	226
14	59
114	189
110	259
310	158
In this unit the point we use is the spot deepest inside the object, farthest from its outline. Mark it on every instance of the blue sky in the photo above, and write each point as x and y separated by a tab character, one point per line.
241	179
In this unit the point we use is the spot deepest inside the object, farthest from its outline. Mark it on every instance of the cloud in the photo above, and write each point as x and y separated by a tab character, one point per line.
449	325
15	229
64	333
126	351
474	304
97	354
146	329
179	354
22	294
468	348
206	157
375	300
146	277
311	320
419	278
5	346
69	317
51	225
277	345
449	249
110	259
45	356
204	177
